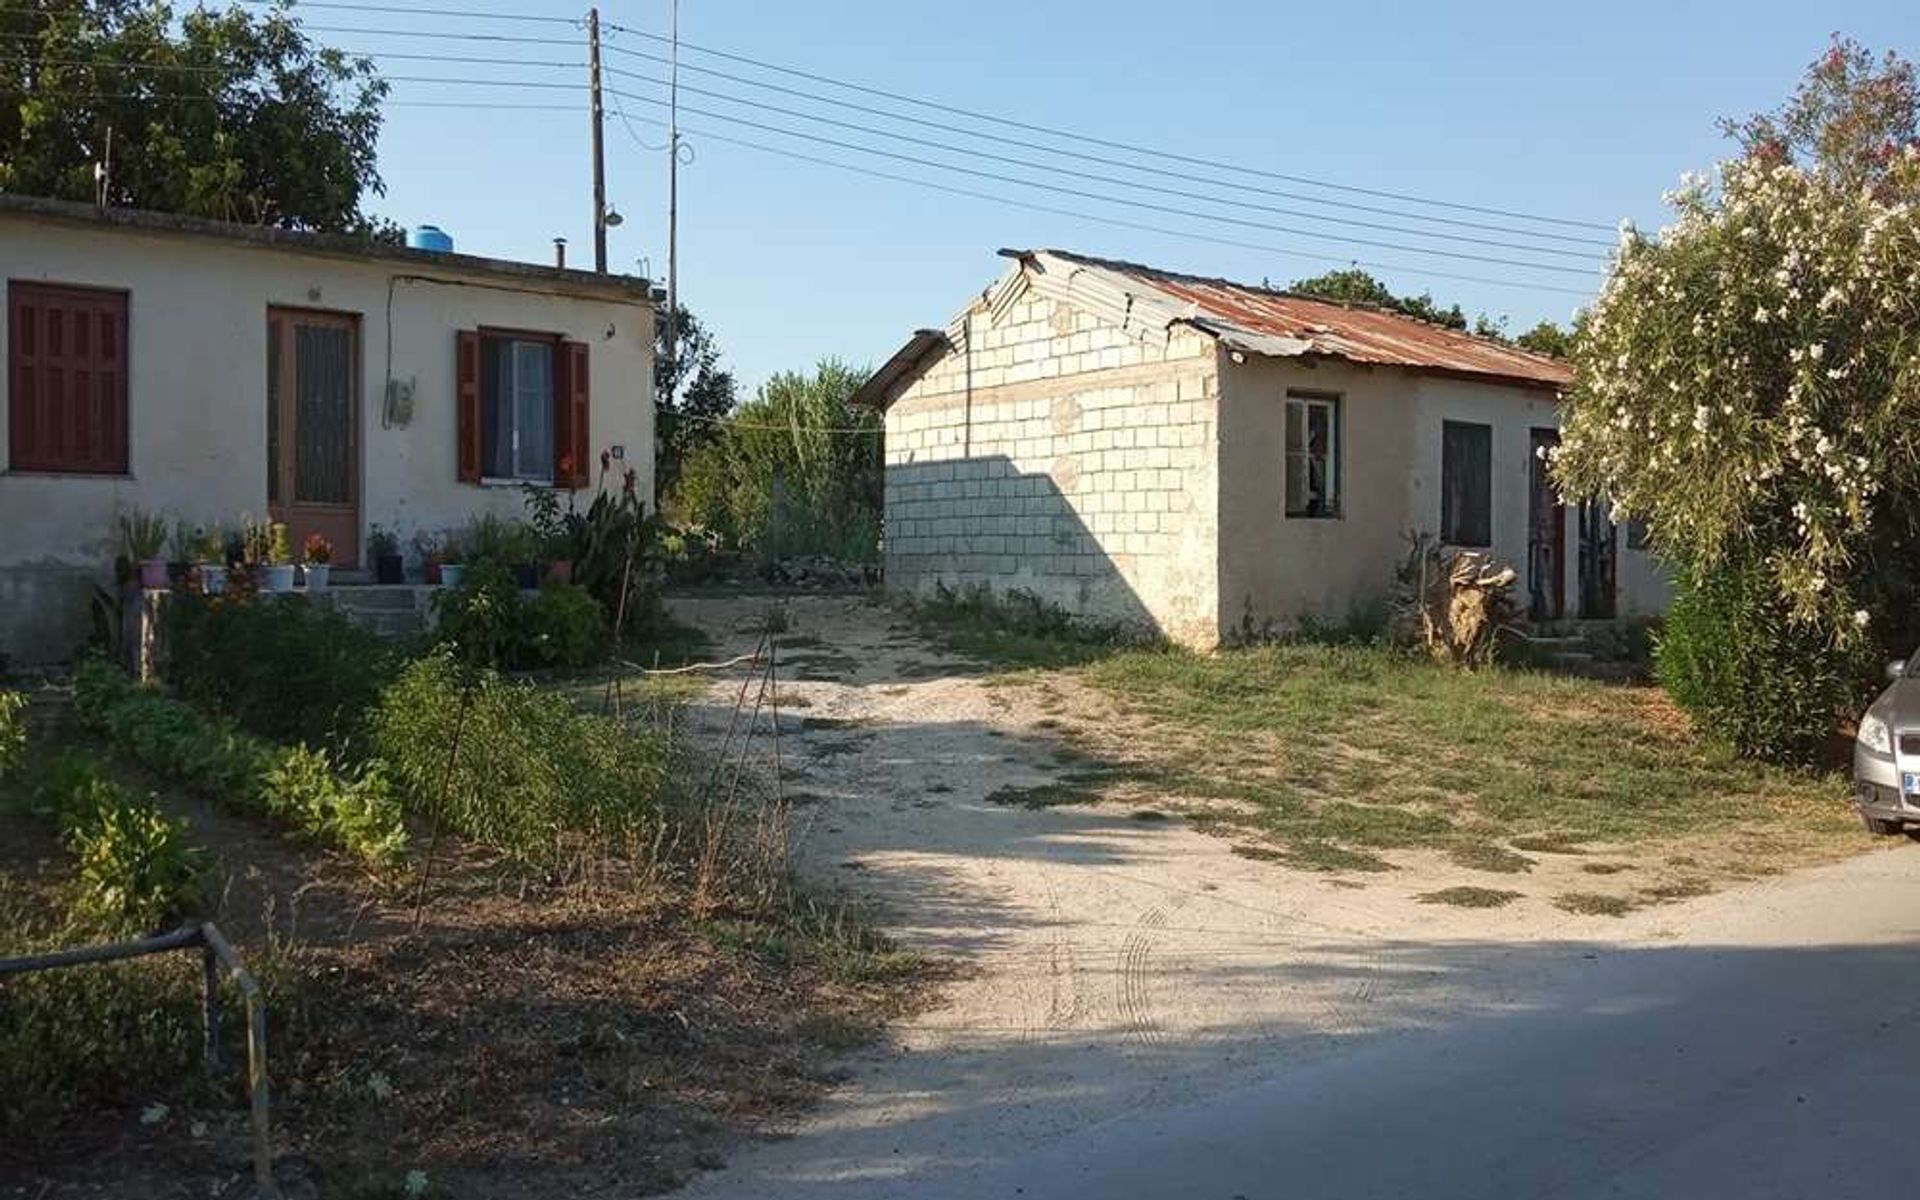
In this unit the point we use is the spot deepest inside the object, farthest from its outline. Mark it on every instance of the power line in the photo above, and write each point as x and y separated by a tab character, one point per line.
1140	204
1103	160
1107	179
1112	145
1117	222
248	73
476	14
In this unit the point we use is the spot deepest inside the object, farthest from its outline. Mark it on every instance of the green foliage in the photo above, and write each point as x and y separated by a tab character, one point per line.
1016	628
74	1041
285	669
490	538
487	621
517	767
825	454
354	810
136	870
613	543
694	392
143	534
1849	119
1731	655
225	114
1547	338
1352	285
13	731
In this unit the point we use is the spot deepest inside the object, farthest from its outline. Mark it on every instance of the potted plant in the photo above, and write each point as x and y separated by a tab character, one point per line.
427	546
316	555
212	565
388	566
276	571
551	530
181	548
144	535
450	564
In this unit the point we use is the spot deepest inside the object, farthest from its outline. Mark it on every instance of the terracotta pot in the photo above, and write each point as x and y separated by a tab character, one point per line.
153	573
560	571
432	570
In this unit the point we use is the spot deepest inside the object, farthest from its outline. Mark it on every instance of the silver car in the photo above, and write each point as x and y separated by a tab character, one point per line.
1886	755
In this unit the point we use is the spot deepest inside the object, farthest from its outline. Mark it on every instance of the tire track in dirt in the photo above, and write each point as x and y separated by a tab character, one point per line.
1137	970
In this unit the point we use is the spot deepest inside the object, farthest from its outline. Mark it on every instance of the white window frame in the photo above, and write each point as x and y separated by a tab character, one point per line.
1293	460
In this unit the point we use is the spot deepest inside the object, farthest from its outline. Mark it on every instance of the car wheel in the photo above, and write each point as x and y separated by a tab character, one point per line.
1882	828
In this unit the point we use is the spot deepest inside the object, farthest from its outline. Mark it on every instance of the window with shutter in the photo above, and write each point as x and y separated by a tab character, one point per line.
523	408
66	379
1466	484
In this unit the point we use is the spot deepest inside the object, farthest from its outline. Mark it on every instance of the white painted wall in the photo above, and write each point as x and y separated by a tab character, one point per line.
197	312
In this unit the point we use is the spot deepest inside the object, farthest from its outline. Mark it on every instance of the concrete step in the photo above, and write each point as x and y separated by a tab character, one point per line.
376	597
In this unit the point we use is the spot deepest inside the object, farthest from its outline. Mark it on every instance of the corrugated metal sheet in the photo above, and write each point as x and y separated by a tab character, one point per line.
1277	324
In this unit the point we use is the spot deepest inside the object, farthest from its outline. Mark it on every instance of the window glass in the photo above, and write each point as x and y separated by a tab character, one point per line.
516	408
1313	456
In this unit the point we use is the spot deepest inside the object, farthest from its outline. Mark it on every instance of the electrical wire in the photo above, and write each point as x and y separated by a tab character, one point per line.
1191	160
1094	196
472	13
1101	159
1098	178
1120	223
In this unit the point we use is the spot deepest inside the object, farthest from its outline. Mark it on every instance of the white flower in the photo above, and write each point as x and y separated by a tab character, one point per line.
1816	351
415	1184
154	1113
1700	414
1860	618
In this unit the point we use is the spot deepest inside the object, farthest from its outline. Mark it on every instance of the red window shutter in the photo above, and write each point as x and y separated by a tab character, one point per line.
66	379
467	402
572	437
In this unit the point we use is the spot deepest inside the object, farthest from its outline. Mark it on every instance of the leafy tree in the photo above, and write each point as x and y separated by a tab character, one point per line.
825	452
694	392
216	114
1547	338
1355	286
1749	384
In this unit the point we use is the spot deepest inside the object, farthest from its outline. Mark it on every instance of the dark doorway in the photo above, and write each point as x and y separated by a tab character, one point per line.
313	400
1546	533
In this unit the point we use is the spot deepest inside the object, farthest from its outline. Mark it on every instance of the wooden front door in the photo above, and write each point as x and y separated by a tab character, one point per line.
1546	534
313	423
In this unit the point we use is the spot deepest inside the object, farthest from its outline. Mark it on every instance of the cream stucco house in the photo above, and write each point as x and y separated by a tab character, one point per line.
1199	456
206	370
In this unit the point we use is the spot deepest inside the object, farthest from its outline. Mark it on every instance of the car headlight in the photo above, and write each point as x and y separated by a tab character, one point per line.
1875	735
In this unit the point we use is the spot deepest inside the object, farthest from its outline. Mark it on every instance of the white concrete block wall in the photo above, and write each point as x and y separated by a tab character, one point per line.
1052	454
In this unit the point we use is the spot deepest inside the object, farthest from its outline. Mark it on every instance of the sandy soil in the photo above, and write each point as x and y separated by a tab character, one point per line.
1111	963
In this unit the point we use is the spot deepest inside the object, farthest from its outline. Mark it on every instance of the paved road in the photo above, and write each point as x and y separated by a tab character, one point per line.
1776	1054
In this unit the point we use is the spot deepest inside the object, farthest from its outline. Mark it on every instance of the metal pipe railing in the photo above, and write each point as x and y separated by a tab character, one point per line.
216	953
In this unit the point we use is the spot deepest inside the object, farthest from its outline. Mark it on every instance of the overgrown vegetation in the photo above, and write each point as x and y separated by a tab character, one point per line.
305	788
1016	628
795	471
488	619
521	768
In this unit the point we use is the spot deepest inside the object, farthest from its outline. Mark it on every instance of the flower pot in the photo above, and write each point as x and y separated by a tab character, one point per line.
560	571
450	574
389	568
276	577
317	575
153	573
527	575
431	570
213	578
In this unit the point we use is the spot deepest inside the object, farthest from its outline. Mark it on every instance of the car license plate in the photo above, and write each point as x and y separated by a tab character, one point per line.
1910	782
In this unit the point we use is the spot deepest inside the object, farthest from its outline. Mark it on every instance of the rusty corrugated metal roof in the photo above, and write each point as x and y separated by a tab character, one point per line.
1283	324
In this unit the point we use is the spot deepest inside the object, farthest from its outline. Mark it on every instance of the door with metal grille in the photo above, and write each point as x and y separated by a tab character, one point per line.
313	407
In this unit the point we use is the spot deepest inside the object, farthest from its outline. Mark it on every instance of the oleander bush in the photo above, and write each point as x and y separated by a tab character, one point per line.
304	787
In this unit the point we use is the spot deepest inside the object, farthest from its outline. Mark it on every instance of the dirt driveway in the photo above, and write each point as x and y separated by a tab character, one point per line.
1114	959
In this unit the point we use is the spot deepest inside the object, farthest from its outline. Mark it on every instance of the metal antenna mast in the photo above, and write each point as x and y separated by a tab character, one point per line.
599	149
673	184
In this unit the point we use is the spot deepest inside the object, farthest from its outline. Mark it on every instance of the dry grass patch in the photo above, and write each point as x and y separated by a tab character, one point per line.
1469	897
1594	904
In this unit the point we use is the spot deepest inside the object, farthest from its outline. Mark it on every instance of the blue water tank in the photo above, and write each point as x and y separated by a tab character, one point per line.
429	237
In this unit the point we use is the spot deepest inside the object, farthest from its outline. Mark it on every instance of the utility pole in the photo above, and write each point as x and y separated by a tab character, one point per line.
599	149
673	186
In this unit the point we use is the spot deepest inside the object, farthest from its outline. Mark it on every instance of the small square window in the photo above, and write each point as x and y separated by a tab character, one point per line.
1313	455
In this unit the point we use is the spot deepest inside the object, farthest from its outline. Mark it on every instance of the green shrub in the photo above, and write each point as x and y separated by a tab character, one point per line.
281	667
563	627
136	869
301	786
13	731
530	767
488	622
74	1041
1749	676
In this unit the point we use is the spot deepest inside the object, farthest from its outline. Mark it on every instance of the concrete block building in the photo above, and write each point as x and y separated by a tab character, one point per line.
1197	457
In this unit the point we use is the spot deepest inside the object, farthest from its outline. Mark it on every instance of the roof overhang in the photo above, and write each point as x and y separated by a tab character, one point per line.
905	365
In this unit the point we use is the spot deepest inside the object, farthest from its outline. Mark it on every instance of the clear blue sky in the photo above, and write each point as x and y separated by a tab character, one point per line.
1563	110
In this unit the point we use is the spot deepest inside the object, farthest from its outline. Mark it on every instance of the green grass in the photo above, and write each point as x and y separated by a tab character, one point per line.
1469	897
1015	631
1333	754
